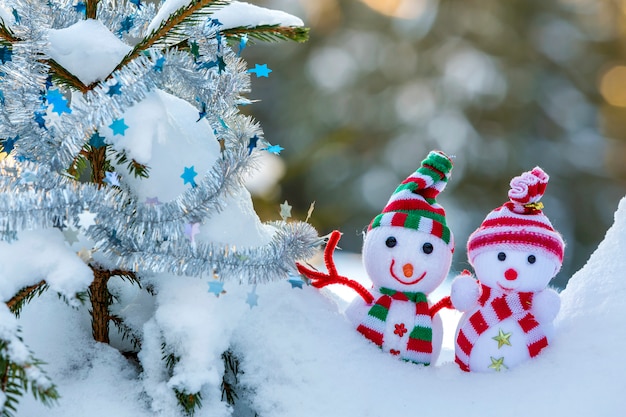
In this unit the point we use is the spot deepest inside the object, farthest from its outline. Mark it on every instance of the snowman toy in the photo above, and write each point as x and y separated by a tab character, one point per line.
407	254
508	309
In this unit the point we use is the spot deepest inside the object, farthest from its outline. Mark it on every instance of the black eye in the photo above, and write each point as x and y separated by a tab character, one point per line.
502	256
427	248
391	242
532	259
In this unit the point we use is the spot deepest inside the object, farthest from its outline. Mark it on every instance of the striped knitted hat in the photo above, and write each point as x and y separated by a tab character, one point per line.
412	204
519	223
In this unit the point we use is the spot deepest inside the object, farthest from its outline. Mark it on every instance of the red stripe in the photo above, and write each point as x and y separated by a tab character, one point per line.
412	204
526	299
437	229
435	170
430	192
486	293
503	311
514	221
421	184
422	308
370	334
399	219
461	364
528	322
463	342
478	322
384	301
535	348
419	345
528	238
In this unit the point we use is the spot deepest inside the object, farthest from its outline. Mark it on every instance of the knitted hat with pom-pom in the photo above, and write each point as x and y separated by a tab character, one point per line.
519	224
413	205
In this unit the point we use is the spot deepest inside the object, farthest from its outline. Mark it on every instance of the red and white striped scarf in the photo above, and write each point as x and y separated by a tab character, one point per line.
503	305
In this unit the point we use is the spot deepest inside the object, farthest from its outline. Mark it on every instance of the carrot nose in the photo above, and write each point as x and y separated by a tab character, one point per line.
407	269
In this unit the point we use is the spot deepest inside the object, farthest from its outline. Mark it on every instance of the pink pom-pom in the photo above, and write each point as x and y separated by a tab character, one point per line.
528	187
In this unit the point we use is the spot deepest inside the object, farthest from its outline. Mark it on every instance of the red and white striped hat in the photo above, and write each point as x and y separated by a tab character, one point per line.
519	223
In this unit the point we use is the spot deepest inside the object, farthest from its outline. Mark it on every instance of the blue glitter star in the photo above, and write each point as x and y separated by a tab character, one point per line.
127	24
58	102
252	144
215	22
242	43
252	299
41	122
202	112
136	3
96	141
1	97
80	7
115	90
275	149
296	282
221	65
16	16
216	287
260	70
118	127
6	54
158	65
188	176
8	144
207	65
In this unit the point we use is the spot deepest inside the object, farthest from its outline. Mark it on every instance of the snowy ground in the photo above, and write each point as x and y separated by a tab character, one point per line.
302	358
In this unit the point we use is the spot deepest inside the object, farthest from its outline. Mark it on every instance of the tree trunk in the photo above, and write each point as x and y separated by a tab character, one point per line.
100	300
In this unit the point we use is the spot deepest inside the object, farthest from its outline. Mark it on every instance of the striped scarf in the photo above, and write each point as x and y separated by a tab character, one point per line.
419	347
514	304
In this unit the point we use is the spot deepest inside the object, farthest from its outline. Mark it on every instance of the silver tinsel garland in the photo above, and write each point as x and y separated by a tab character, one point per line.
36	192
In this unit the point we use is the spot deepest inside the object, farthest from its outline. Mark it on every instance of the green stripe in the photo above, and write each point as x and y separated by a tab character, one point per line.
377	220
439	161
379	312
422	333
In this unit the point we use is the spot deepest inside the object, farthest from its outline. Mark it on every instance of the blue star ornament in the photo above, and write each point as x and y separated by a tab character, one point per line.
136	3
242	43
8	144
118	127
188	176
6	54
252	299
58	102
96	141
216	287
275	149
39	119
260	70
126	25
296	282
114	90
252	144
80	7
158	65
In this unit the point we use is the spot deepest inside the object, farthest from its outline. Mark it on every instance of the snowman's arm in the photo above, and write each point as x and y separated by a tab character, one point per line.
445	302
546	305
464	292
320	279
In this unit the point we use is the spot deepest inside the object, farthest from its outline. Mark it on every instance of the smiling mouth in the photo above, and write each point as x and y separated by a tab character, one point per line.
393	261
504	288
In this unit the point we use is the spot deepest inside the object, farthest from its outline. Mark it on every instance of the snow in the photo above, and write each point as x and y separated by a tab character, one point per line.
302	357
87	49
233	15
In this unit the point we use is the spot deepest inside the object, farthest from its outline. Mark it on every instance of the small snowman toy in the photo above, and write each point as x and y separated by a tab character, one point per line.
508	309
407	254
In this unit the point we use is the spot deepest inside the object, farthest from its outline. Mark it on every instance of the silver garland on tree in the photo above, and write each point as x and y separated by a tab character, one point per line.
36	191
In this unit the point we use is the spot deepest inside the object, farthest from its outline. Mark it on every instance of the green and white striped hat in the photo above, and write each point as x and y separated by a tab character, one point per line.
413	205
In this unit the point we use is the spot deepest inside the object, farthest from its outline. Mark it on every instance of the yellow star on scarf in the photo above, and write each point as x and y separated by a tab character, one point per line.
502	338
497	364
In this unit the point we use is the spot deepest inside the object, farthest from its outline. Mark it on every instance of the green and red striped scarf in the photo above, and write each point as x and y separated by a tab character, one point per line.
419	346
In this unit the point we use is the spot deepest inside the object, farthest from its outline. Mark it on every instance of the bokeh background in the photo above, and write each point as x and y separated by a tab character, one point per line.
501	85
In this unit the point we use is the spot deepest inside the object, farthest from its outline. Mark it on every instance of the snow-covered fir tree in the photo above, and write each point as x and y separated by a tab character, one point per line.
124	155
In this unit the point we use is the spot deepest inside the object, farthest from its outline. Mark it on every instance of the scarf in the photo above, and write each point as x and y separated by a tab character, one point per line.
419	345
514	304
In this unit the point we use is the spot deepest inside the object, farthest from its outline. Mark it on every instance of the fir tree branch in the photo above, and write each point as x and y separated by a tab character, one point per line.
66	78
180	18
6	34
269	33
24	295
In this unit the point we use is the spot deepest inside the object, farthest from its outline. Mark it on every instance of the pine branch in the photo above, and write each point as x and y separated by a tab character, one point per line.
63	77
25	295
6	34
169	28
269	33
